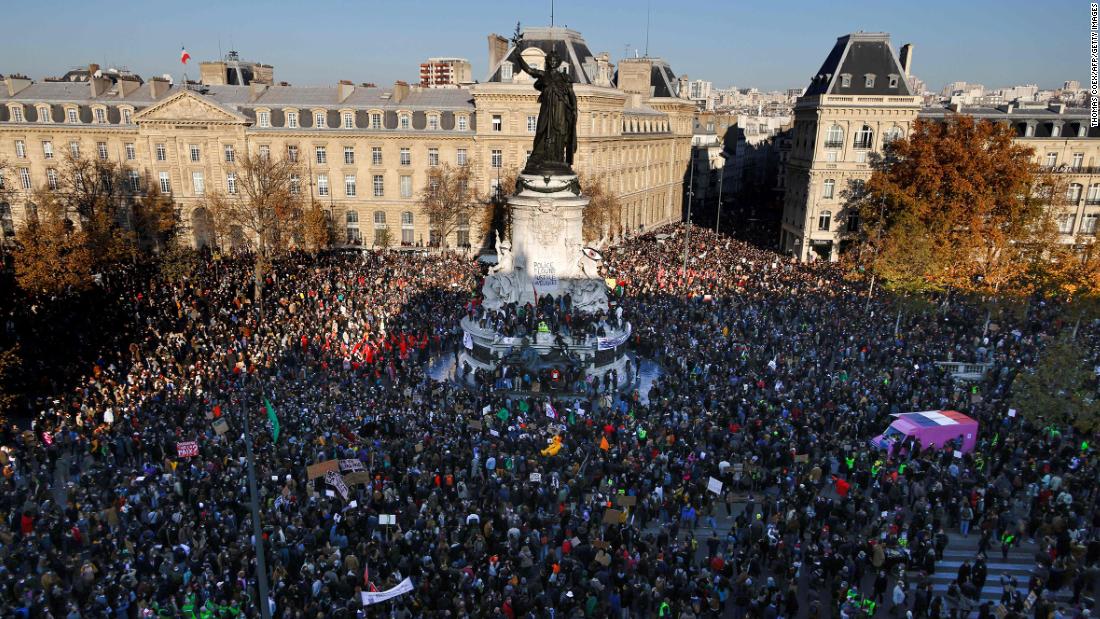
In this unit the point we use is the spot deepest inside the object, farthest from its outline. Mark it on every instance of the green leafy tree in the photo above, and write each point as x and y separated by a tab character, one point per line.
1061	390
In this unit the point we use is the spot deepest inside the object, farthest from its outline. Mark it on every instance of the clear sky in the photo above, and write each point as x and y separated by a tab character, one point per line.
766	44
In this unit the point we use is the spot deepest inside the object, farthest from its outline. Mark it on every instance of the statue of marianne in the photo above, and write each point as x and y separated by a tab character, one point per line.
556	132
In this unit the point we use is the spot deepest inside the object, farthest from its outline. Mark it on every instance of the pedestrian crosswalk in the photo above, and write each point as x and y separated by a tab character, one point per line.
1019	564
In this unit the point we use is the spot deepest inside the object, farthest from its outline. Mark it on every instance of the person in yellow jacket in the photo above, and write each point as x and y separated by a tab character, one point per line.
553	448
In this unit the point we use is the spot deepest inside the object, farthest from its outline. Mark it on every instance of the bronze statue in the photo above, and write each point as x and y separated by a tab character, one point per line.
556	132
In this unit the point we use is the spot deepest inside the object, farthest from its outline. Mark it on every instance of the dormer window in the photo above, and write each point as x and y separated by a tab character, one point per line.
404	121
17	113
100	116
375	120
292	120
433	122
318	120
869	80
506	72
43	113
263	118
127	116
845	80
71	116
893	80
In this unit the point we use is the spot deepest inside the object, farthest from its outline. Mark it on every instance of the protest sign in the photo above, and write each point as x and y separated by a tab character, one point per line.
333	479
803	458
350	464
387	519
357	477
536	477
374	597
221	426
612	516
625	500
314	471
714	485
187	449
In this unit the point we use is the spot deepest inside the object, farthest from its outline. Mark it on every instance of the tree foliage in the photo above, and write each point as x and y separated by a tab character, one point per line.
450	199
958	205
265	213
316	229
155	219
1060	390
603	214
53	256
9	362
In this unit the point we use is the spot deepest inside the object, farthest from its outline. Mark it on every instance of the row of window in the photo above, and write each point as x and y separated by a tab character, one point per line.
381	229
74	148
1078	161
347	120
864	138
72	114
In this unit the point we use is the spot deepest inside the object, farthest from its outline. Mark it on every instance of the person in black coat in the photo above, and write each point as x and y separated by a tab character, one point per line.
979	573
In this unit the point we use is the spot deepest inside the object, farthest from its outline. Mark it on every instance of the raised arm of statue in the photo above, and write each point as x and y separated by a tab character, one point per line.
523	66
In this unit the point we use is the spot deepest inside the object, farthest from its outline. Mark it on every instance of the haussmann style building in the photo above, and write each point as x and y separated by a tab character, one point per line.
365	151
861	98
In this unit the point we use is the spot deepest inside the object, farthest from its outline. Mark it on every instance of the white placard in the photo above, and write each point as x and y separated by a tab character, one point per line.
714	485
536	477
1011	412
374	597
387	519
958	454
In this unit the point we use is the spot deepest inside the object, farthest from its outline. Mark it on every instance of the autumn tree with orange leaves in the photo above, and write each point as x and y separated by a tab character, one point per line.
958	205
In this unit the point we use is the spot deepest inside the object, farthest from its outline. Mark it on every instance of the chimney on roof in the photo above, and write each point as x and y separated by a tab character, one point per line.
255	89
498	47
683	87
344	90
16	83
158	86
128	85
98	83
400	91
907	58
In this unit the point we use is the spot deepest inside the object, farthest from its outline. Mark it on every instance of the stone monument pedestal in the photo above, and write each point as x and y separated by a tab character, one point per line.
546	256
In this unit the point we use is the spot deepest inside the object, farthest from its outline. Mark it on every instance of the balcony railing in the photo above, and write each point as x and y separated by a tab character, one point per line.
837	144
1068	169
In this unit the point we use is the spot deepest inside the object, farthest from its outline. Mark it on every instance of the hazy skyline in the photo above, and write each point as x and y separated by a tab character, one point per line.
730	44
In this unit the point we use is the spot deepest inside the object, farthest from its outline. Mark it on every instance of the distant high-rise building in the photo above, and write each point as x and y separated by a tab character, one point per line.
1071	85
446	73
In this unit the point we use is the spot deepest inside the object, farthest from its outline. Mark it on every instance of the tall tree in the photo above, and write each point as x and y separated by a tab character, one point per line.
316	229
53	256
450	198
9	363
603	215
155	219
266	211
956	205
1060	390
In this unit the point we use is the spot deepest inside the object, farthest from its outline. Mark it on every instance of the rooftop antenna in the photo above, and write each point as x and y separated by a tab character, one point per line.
551	13
648	5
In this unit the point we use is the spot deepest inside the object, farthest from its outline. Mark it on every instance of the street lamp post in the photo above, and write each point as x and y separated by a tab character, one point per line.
721	174
687	230
257	529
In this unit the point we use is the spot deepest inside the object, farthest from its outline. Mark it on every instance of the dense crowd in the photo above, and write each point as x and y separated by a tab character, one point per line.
773	375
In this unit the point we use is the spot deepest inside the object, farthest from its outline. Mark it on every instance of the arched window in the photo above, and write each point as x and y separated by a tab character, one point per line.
892	134
865	138
351	219
825	220
829	188
834	137
407	228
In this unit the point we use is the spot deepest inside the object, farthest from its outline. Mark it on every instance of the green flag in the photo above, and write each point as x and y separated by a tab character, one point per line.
274	421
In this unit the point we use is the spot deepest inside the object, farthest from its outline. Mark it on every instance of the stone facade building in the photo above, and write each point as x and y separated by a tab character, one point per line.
365	151
861	98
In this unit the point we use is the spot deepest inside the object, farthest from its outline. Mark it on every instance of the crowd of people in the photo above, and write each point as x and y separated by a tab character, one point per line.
773	376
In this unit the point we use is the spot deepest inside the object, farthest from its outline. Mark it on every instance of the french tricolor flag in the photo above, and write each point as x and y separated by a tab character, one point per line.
184	56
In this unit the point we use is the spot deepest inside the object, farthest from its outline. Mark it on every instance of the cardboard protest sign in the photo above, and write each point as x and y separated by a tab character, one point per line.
603	558
474	425
612	516
357	477
187	449
625	500
536	477
314	471
221	426
714	485
333	479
